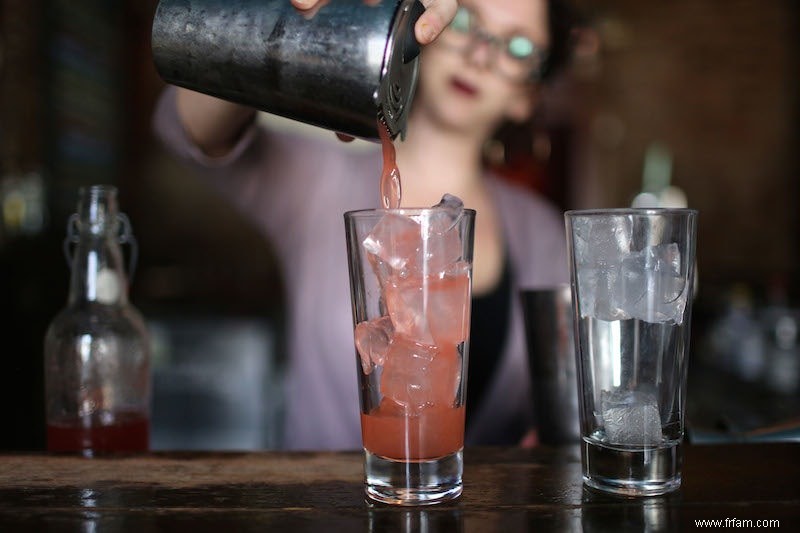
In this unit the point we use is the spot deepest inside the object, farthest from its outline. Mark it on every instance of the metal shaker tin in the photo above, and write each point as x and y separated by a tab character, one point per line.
547	314
337	69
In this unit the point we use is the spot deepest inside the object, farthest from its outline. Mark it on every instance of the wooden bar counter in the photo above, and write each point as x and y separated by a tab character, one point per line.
506	490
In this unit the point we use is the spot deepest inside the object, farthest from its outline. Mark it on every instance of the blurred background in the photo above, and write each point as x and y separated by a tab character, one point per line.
689	101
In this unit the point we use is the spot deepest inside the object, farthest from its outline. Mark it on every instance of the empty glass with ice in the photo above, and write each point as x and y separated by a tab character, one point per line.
632	273
411	281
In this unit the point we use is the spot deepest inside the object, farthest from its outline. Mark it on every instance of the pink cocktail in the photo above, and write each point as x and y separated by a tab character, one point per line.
411	272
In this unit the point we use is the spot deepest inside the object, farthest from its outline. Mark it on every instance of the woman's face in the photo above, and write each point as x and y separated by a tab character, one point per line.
476	75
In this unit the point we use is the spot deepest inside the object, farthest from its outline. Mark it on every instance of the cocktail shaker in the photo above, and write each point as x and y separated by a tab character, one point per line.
340	69
551	357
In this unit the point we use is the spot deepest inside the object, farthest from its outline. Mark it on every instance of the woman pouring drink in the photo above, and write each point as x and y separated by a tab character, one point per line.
483	68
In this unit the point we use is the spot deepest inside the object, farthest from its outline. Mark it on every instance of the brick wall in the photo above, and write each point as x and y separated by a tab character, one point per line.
717	82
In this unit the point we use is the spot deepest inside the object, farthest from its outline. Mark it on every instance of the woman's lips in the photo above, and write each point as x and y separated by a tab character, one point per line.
463	87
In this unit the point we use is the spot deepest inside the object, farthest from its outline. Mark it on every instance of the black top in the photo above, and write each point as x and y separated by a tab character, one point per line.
487	338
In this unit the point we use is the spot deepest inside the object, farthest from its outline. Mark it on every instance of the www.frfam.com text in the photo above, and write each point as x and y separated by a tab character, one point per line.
738	522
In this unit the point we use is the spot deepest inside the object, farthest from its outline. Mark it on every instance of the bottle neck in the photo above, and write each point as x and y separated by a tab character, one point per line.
98	274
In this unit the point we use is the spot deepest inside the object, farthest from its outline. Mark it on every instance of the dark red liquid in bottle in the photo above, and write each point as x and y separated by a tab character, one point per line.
390	177
120	432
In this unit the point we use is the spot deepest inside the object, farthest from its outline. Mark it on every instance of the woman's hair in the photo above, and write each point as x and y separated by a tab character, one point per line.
561	21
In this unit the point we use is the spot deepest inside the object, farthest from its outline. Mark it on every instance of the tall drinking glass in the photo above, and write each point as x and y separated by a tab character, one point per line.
632	273
411	281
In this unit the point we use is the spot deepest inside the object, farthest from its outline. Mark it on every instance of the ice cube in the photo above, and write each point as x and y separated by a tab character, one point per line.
441	244
445	376
404	246
372	339
440	250
446	214
416	376
434	309
406	376
448	305
393	244
406	303
600	247
602	240
612	239
652	287
598	286
630	417
452	203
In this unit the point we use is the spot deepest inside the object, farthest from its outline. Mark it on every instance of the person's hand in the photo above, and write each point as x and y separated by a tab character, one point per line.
438	14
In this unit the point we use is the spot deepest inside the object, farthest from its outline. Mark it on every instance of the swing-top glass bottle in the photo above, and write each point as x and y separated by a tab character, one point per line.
97	369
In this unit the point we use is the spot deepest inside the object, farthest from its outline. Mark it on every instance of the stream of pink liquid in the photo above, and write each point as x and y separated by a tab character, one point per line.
390	177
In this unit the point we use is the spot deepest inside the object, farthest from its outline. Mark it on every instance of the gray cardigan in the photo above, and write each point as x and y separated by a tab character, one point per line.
295	190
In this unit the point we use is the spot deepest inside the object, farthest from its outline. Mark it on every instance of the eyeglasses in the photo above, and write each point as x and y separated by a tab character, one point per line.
515	56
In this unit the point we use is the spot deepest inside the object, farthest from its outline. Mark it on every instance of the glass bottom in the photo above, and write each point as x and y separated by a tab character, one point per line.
421	482
632	471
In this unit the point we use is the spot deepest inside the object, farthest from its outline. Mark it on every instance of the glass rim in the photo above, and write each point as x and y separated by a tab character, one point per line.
406	211
638	211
